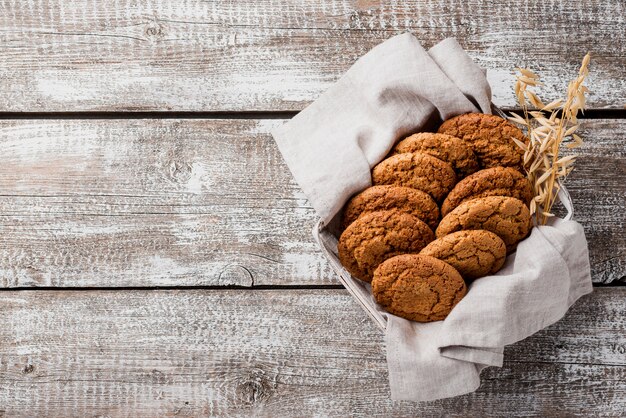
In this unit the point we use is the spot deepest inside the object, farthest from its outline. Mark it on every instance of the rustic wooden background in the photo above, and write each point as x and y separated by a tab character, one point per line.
155	253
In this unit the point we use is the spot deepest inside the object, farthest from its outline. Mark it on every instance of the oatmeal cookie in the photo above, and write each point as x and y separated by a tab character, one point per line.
507	217
474	253
417	170
404	199
490	138
377	236
447	148
417	287
496	181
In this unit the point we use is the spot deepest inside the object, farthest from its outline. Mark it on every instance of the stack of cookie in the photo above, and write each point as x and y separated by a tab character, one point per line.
444	210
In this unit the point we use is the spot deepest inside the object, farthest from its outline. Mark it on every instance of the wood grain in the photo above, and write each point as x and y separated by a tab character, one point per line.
275	353
206	202
143	203
281	54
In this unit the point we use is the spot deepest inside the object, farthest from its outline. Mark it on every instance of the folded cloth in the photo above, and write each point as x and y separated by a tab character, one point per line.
539	282
396	89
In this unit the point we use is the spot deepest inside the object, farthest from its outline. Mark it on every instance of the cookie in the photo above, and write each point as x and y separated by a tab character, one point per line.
490	138
419	171
404	199
496	181
377	236
445	147
417	287
474	253
507	217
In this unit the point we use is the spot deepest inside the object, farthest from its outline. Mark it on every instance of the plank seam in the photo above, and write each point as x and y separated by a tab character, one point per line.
614	284
157	288
565	363
260	114
89	115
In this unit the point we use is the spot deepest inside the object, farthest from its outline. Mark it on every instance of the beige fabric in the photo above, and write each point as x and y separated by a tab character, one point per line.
539	282
395	89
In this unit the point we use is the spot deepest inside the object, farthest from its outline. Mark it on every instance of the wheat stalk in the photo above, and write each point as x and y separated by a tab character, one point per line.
548	128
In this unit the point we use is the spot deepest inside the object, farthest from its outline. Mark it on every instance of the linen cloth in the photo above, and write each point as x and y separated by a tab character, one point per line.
396	89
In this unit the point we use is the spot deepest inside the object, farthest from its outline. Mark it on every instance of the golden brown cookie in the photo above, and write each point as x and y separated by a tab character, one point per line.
404	199
507	217
417	287
490	138
445	147
474	253
419	171
377	236
496	181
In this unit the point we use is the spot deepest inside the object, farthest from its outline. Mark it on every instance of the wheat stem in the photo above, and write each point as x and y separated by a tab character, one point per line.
545	168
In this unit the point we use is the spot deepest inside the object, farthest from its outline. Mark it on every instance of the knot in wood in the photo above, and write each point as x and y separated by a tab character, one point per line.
157	376
154	30
255	389
235	275
180	172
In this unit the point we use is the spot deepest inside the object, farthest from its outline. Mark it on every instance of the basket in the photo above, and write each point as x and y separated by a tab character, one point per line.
326	237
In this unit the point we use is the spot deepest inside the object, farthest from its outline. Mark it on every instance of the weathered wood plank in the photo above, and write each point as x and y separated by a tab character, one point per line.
280	55
599	194
275	353
206	202
142	203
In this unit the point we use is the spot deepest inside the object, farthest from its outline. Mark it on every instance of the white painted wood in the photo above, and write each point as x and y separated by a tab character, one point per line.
281	54
144	203
210	202
206	202
275	353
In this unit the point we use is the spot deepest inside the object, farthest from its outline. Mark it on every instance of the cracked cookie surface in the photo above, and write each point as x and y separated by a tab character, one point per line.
490	138
418	287
474	253
507	217
405	199
417	170
447	148
377	236
496	181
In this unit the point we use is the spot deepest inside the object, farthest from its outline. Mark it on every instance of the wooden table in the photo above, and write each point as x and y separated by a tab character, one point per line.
155	252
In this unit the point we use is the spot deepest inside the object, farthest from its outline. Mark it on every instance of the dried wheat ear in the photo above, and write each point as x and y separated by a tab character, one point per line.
549	127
